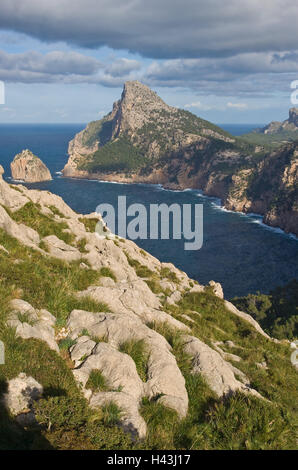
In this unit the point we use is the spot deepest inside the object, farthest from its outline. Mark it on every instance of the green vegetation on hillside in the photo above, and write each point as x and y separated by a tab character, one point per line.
270	141
64	419
97	131
45	225
117	155
45	282
276	312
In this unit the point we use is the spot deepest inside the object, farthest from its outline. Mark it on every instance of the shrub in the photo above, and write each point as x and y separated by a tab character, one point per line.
61	411
97	381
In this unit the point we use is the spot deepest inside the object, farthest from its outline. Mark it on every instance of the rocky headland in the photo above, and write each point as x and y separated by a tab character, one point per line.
143	140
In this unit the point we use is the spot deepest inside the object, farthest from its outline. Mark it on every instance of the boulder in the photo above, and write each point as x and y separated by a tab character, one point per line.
218	373
21	393
31	323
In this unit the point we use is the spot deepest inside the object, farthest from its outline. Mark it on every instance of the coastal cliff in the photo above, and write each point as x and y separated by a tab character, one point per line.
29	168
143	140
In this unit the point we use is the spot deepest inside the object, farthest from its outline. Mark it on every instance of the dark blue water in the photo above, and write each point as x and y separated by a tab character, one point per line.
239	129
238	251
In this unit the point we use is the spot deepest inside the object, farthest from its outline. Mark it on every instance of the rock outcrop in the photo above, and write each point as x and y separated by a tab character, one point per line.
31	323
21	393
29	168
289	125
145	140
117	313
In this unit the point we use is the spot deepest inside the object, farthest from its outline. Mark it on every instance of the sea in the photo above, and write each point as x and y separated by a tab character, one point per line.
238	250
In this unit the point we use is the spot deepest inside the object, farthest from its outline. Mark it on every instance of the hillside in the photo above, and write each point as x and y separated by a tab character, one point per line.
145	140
107	348
276	133
276	312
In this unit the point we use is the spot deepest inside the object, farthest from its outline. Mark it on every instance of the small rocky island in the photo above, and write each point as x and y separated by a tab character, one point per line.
29	168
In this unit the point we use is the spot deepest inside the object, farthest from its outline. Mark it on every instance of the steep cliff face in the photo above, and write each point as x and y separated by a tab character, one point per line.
145	140
108	337
270	189
140	130
29	168
290	124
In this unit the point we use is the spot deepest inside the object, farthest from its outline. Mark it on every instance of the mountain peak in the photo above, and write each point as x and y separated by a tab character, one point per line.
293	116
137	106
141	95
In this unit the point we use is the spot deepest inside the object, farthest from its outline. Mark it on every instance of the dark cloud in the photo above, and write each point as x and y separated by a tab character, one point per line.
64	67
159	29
33	66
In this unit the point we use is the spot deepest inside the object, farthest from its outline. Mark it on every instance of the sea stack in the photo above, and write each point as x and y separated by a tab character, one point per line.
29	168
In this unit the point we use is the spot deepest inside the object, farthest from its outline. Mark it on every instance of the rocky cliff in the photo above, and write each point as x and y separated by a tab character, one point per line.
289	125
99	334
145	140
29	168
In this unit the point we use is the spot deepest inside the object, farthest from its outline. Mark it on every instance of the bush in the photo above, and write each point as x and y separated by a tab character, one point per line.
63	411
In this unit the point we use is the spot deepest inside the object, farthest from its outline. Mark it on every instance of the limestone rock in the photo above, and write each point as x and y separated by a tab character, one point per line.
31	323
29	168
21	393
216	371
81	350
245	316
10	197
121	374
59	249
164	376
217	289
21	232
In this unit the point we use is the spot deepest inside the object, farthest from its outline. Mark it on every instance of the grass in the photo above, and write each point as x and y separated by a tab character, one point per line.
137	351
47	282
168	274
237	422
81	245
107	272
97	382
57	212
141	269
66	344
111	414
25	318
31	216
90	223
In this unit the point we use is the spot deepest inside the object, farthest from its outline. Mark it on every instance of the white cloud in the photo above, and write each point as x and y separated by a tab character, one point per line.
239	106
198	105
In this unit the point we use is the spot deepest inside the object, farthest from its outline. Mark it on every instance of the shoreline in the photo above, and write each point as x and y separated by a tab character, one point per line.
220	206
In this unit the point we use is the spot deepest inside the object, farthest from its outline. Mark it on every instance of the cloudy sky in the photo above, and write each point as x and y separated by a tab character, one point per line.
228	61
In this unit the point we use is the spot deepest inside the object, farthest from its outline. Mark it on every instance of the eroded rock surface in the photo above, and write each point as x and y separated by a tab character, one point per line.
29	168
31	323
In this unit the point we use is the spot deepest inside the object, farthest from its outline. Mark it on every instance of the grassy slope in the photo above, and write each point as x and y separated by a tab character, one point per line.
238	422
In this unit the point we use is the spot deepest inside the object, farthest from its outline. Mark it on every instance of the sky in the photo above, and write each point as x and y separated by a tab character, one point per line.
228	61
